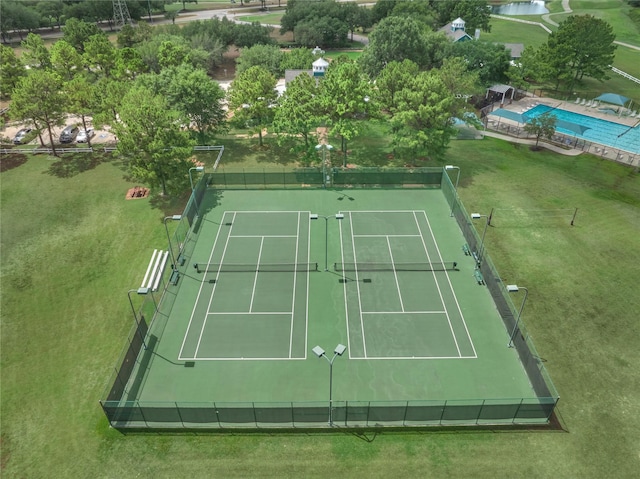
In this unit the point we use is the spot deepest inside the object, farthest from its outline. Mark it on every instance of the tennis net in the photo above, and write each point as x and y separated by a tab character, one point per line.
441	266
249	268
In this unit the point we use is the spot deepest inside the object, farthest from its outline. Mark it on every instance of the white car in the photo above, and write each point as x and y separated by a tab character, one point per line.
85	135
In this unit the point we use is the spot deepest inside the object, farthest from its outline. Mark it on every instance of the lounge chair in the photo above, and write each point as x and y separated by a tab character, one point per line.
577	100
584	100
588	105
595	104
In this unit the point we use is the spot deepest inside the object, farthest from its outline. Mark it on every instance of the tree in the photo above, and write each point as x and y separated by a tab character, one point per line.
458	80
65	60
253	34
490	60
149	136
345	99
112	94
251	97
394	39
128	64
38	97
391	80
12	70
297	59
422	125
268	57
298	109
582	46
77	32
475	13
81	99
36	54
541	126
192	93
99	53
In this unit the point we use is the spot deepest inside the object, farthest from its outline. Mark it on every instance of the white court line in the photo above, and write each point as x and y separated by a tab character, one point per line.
247	313
306	318
195	304
435	279
382	236
213	291
455	297
255	277
395	274
403	312
293	299
240	359
263	236
344	288
404	358
355	262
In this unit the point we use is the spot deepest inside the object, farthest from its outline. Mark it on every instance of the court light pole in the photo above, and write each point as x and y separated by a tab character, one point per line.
453	167
174	218
324	147
141	291
195	200
514	288
338	216
338	351
476	216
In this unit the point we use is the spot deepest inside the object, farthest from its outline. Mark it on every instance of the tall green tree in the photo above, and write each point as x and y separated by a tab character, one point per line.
35	54
82	99
394	39
346	99
149	137
39	98
297	59
299	110
251	98
77	32
11	68
490	60
65	60
582	46
391	80
422	125
268	57
100	54
475	13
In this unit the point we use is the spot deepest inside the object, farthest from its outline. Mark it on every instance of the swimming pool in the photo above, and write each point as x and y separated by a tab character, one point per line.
614	135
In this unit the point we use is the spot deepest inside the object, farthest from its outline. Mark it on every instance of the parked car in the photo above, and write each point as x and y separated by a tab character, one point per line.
69	134
85	135
24	136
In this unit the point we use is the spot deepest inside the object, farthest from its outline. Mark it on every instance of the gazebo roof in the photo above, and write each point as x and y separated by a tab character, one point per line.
501	88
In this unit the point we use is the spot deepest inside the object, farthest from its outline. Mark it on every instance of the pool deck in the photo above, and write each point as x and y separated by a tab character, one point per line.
511	128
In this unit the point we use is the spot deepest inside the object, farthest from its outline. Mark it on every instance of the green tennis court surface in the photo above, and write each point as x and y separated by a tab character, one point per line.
254	298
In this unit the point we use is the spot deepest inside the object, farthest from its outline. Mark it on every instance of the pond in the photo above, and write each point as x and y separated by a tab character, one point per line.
535	7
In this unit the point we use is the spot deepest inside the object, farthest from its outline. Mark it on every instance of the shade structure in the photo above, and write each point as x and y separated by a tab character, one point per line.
572	127
613	98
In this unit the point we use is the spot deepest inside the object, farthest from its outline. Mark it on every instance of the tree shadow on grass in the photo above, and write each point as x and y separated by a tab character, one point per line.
72	164
11	161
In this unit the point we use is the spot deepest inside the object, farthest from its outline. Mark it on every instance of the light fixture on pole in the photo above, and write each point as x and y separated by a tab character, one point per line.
476	216
338	351
324	147
514	288
141	291
174	218
453	167
338	216
195	200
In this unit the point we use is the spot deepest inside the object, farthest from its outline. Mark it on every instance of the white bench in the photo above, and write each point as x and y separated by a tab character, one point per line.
154	270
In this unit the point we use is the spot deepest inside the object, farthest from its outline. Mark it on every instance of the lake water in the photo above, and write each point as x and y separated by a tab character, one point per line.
535	7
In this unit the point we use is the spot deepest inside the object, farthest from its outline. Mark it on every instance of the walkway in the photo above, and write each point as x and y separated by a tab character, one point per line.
525	141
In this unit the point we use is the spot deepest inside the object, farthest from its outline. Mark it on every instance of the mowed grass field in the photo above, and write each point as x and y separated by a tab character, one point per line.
72	246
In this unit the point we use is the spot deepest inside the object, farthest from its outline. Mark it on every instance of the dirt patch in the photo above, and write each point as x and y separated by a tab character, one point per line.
11	161
137	192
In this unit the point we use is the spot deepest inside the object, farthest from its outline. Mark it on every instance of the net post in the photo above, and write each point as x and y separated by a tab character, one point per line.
573	219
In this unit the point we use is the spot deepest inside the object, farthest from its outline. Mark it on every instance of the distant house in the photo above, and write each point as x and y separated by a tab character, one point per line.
515	50
455	30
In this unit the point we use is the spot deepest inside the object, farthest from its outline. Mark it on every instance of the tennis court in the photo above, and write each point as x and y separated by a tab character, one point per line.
231	341
399	299
252	300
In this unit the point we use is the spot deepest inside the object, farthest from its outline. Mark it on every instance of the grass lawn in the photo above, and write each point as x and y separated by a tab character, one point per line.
72	246
505	31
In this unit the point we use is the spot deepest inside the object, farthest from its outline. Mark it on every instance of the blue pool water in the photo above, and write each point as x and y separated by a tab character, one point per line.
614	135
